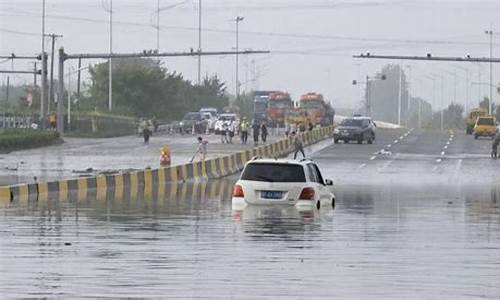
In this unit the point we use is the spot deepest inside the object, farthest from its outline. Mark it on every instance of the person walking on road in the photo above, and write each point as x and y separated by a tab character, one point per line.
298	144
201	151
263	134
223	132
256	131
146	133
244	130
231	129
494	146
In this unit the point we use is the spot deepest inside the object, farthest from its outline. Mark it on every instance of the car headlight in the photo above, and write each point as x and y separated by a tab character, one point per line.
181	123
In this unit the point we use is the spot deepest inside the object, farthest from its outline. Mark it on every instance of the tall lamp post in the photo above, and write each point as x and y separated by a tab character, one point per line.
490	33
237	20
368	90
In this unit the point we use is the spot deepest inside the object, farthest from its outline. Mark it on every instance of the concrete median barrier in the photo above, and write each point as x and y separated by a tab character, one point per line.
147	182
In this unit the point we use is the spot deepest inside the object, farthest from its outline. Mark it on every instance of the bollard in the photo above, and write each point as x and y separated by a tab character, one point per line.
165	159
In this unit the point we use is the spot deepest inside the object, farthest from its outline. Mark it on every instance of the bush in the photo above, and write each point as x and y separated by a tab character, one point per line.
16	139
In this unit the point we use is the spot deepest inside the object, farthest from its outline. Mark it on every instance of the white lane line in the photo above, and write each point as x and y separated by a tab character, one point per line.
395	141
438	160
434	169
445	147
361	166
373	157
442	153
458	166
388	146
401	137
447	143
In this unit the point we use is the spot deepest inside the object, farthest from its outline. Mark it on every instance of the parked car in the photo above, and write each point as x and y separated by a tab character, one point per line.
193	120
227	117
355	129
210	120
282	182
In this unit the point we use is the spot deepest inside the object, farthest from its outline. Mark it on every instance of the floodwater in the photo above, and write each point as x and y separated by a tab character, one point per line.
380	242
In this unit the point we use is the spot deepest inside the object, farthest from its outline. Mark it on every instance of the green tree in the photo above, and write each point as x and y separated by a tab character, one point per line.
144	88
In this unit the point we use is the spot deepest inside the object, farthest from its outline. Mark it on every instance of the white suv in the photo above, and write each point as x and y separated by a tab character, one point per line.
282	182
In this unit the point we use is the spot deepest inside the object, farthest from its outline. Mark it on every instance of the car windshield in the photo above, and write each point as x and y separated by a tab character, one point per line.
486	121
271	172
351	122
279	104
311	104
192	117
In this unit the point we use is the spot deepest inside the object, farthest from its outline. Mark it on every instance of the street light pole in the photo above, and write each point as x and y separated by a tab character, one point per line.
237	20
44	74
199	42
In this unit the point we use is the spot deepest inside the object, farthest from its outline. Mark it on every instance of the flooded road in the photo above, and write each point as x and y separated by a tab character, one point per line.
381	241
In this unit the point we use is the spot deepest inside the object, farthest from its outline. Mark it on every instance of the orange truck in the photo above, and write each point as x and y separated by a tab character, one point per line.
277	106
318	110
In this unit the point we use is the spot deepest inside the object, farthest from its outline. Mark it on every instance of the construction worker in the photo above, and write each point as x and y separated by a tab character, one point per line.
244	130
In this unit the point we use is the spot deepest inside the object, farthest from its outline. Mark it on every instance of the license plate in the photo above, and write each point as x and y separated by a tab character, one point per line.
345	133
271	194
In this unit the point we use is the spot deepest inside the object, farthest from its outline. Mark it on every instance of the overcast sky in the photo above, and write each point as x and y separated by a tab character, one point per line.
311	41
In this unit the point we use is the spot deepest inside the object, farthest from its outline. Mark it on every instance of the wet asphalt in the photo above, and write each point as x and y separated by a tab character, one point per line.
420	219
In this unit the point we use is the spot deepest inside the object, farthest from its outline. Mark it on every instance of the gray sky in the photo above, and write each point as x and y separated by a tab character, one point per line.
311	41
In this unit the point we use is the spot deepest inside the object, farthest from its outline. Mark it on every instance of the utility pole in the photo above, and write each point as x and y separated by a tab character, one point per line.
399	94
237	82
34	75
199	42
110	83
7	90
60	101
51	84
44	69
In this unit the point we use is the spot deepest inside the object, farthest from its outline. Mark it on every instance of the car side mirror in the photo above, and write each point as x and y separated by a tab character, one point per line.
328	182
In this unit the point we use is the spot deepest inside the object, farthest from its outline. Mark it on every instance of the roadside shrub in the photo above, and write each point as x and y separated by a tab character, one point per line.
16	139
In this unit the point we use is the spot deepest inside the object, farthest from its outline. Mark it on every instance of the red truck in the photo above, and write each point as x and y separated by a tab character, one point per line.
278	105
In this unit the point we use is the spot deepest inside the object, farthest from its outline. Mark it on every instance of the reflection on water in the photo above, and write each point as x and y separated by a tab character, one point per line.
379	242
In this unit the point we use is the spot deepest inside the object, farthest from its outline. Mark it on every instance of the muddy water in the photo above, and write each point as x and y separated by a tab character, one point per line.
379	242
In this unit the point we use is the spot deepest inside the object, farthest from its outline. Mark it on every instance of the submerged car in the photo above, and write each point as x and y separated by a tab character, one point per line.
485	126
355	129
282	182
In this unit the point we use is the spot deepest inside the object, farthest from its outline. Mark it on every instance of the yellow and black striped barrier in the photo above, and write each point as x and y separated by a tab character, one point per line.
149	182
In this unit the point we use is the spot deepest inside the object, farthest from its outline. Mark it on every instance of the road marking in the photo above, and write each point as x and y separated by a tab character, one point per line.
438	160
361	166
447	143
442	153
401	137
434	169
373	157
445	147
389	146
458	166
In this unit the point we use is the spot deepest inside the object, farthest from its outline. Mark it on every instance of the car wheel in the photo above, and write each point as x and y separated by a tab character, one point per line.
336	141
475	136
370	140
318	204
360	140
333	202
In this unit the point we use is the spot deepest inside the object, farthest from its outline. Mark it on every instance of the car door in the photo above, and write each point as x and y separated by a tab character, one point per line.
325	193
314	181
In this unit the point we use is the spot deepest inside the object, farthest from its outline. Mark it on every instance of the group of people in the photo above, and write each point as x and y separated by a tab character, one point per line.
258	130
